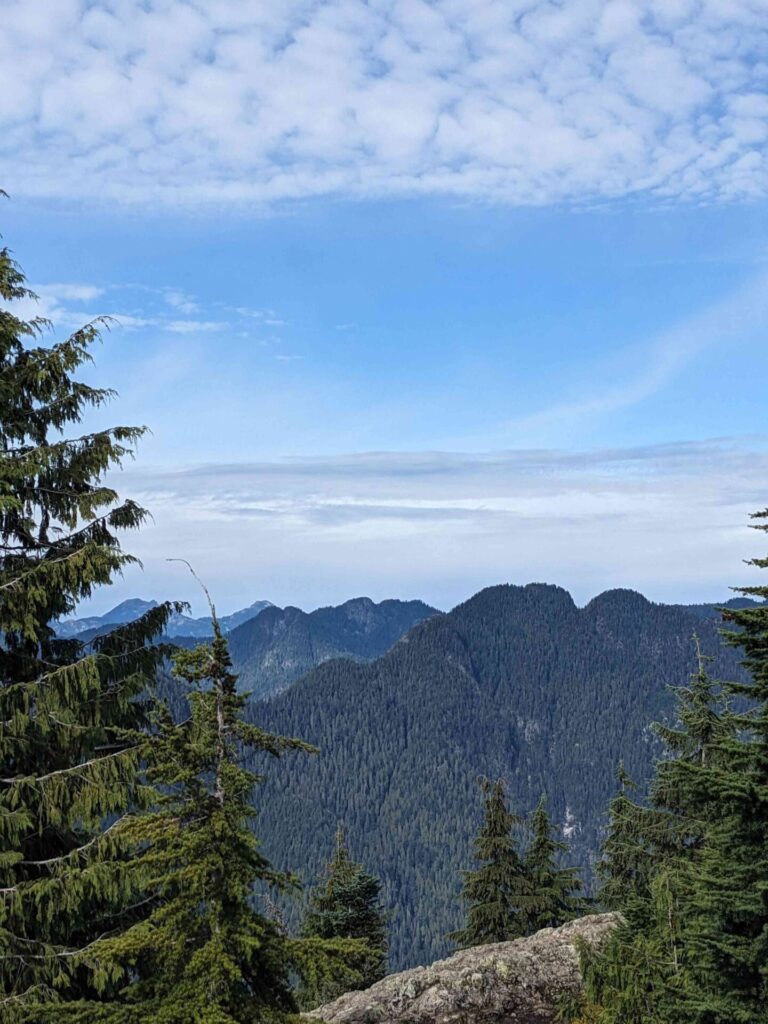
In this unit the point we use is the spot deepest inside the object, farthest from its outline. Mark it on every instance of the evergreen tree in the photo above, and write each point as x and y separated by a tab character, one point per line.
651	856
727	909
623	980
706	725
206	953
554	891
498	892
346	904
69	713
627	861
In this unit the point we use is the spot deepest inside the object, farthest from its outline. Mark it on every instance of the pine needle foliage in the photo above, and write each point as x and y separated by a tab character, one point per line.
727	909
70	717
498	891
625	865
652	857
346	905
207	952
553	890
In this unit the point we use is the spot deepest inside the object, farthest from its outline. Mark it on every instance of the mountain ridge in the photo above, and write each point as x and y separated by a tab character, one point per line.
178	624
517	682
273	650
273	647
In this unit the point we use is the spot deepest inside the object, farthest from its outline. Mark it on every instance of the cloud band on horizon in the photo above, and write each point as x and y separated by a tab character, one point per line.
667	519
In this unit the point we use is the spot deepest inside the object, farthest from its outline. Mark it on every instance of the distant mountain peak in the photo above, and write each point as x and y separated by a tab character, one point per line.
619	597
132	606
280	645
365	602
514	599
126	611
178	624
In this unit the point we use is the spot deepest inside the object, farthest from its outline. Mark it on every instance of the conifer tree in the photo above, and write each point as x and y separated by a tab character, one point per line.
625	866
623	981
206	953
554	891
67	761
498	892
650	857
346	904
727	910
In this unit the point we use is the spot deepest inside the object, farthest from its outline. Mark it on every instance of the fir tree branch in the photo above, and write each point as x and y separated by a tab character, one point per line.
79	849
102	495
52	954
66	541
80	394
49	678
69	442
45	563
35	779
22	997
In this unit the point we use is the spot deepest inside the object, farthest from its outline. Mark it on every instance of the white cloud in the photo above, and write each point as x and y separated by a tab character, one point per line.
517	101
71	292
55	301
441	525
193	326
266	316
121	320
181	301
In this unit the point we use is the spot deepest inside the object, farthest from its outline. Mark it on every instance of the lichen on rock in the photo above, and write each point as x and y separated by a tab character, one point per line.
519	982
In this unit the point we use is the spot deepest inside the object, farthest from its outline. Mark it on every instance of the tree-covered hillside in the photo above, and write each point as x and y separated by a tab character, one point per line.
274	649
516	683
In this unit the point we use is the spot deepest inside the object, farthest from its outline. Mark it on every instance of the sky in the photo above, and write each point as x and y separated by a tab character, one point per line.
415	297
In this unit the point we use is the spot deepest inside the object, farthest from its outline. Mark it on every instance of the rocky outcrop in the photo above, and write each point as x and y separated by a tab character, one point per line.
518	982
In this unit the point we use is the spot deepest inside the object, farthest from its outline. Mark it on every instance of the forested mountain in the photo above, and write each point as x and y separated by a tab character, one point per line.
178	624
711	611
516	683
274	649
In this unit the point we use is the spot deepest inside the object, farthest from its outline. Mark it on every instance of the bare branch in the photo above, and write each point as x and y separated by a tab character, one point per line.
202	585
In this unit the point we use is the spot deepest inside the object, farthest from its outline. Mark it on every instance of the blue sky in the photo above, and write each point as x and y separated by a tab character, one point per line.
417	297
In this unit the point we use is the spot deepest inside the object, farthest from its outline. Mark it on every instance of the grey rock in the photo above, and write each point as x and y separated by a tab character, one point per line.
518	982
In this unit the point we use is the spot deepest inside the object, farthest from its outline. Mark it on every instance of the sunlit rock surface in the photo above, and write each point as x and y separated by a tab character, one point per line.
518	982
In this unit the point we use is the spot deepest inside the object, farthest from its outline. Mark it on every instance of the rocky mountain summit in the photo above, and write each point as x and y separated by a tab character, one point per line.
518	982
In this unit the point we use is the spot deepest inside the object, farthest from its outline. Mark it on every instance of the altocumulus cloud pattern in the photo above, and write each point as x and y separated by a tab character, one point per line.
514	101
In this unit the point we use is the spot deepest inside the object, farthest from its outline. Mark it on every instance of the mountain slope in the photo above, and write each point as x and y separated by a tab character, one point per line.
517	682
273	650
124	612
183	625
711	611
272	647
178	625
